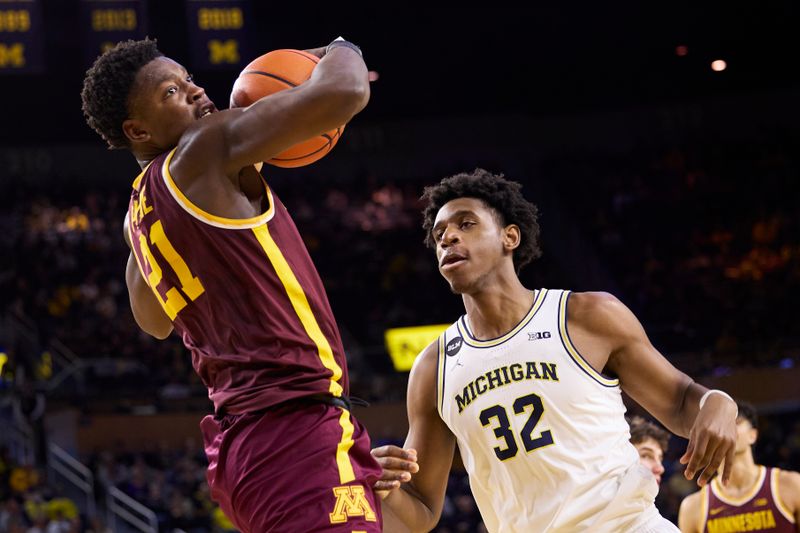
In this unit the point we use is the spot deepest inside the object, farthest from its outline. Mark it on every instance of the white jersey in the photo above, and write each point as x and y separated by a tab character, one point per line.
542	434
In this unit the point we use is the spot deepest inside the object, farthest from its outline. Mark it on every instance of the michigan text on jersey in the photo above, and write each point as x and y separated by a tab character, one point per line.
504	375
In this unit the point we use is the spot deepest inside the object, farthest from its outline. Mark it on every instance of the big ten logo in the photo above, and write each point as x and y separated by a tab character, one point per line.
12	55
113	19
220	19
15	20
223	51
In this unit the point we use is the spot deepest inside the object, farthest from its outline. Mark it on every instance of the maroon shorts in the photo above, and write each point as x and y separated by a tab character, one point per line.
295	468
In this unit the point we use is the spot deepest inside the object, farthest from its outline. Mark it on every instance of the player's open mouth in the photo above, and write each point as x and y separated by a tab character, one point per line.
205	111
451	261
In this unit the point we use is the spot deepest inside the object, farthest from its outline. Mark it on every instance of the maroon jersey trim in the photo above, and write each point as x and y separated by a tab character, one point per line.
716	488
208	218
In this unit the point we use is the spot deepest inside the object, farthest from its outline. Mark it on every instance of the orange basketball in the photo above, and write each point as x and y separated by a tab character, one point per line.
273	72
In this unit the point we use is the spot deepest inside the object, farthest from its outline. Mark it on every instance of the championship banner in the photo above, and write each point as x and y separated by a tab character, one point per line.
218	33
21	37
405	344
106	22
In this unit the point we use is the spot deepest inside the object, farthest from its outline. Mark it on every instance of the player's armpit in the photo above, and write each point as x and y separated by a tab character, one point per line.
147	311
689	515
419	503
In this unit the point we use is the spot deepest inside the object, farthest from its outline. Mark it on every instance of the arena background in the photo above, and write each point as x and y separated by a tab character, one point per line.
660	179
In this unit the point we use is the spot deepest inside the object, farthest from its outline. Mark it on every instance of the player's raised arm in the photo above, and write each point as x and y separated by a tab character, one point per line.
599	321
337	90
418	503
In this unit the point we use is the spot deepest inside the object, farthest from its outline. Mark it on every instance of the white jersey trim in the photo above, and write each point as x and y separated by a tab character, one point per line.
576	357
470	340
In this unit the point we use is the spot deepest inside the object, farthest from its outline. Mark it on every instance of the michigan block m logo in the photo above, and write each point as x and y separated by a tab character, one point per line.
350	501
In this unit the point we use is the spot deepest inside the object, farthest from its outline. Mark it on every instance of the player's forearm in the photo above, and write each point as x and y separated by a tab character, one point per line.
411	511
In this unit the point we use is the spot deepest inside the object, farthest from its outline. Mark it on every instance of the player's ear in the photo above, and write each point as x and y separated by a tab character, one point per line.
752	437
134	131
511	237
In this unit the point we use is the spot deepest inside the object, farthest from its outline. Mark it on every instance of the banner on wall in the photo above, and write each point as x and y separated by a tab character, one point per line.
218	33
106	22
21	37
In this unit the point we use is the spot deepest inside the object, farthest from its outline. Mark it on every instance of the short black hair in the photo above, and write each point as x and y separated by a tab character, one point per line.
502	195
107	87
642	429
747	411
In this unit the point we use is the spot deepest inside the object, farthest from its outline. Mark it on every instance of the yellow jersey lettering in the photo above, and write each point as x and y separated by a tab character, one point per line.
351	502
755	521
173	302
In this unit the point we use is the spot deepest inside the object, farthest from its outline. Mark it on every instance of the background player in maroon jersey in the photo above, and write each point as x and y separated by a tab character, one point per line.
651	442
216	256
757	497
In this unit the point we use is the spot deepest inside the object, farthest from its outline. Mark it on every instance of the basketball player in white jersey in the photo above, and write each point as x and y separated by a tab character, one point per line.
528	384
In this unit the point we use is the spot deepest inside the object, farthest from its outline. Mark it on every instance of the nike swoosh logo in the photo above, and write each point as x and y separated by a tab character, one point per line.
716	511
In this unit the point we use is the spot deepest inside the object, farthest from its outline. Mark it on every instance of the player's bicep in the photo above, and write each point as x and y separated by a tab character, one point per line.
643	372
428	434
147	310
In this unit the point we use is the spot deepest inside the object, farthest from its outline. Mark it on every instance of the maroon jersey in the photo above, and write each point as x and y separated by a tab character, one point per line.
761	510
243	294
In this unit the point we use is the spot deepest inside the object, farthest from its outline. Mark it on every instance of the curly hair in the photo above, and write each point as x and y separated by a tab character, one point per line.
107	87
641	429
503	196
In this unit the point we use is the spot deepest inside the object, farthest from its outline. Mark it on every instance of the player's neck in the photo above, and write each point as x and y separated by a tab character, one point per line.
145	154
744	473
495	311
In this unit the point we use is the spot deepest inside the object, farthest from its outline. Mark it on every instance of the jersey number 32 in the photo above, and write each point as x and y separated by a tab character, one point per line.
503	428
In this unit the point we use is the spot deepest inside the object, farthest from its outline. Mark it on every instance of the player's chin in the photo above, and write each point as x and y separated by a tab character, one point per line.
458	285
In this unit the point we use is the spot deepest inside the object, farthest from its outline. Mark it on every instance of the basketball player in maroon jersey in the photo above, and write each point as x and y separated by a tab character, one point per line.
215	255
757	497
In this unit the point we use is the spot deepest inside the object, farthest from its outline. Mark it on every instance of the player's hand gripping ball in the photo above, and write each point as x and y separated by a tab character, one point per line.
273	72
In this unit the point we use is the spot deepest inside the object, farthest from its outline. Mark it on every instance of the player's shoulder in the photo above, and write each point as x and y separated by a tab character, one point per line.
692	499
593	301
600	312
789	483
427	360
689	514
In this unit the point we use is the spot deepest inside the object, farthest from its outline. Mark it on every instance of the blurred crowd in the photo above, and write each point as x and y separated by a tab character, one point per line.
702	243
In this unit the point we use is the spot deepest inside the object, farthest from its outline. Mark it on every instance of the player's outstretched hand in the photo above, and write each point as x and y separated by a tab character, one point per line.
712	439
398	464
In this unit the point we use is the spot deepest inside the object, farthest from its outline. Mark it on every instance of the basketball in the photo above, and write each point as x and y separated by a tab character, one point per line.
273	72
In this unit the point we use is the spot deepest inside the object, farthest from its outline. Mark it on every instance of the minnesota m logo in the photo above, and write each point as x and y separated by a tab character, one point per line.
350	501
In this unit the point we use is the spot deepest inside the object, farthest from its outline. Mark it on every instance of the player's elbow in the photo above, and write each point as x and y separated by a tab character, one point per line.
346	98
161	332
155	328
